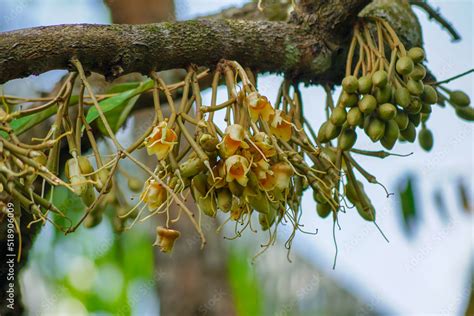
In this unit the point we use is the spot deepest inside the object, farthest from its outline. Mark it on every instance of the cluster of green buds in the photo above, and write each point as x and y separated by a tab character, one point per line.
388	99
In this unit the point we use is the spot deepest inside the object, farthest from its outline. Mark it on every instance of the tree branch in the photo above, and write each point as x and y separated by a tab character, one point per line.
297	49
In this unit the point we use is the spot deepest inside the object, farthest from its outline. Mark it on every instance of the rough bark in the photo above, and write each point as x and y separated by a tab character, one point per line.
298	49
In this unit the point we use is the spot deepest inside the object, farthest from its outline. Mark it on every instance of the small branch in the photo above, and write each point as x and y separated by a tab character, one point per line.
454	77
434	14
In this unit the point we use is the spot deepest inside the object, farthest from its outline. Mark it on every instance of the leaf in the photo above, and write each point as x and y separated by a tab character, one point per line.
22	124
122	87
248	295
408	203
118	101
117	116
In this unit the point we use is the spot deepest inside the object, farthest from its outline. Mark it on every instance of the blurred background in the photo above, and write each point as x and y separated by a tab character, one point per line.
426	269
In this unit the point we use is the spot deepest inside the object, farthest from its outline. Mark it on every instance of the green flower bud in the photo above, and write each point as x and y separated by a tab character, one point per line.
392	132
350	84
100	180
402	119
236	188
338	116
368	104
466	113
207	204
332	131
409	133
365	84
415	119
425	137
414	106
323	209
418	73
266	220
429	95
88	196
386	111
208	142
459	98
416	87
417	54
224	200
376	129
347	139
402	97
349	99
354	116
259	203
191	167
384	94
404	65
380	78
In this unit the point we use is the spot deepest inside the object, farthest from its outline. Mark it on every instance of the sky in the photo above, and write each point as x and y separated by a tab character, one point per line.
424	275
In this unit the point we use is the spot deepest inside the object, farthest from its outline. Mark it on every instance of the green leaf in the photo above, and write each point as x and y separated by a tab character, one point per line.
408	203
118	101
117	116
122	87
248	295
22	124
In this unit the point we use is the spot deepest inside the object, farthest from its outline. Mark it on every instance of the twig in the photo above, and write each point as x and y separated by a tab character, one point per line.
434	14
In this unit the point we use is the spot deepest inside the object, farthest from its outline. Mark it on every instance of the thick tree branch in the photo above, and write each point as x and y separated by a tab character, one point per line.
297	49
117	49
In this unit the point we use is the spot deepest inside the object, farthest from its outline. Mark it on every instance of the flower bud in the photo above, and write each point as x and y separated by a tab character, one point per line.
165	238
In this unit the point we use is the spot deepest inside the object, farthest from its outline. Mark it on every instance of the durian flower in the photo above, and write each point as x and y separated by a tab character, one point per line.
165	238
278	177
237	168
280	125
258	105
282	172
161	141
261	168
264	144
232	140
154	195
267	181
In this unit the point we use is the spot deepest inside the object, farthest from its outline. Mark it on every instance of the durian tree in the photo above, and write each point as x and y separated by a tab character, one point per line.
250	168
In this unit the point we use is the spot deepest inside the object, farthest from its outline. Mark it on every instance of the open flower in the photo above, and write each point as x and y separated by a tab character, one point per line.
237	168
280	125
154	195
258	105
261	168
232	140
264	144
161	141
282	172
165	238
278	177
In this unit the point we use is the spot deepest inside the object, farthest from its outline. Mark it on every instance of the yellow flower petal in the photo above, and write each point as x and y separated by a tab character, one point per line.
280	126
258	105
282	173
154	195
160	141
232	141
237	168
